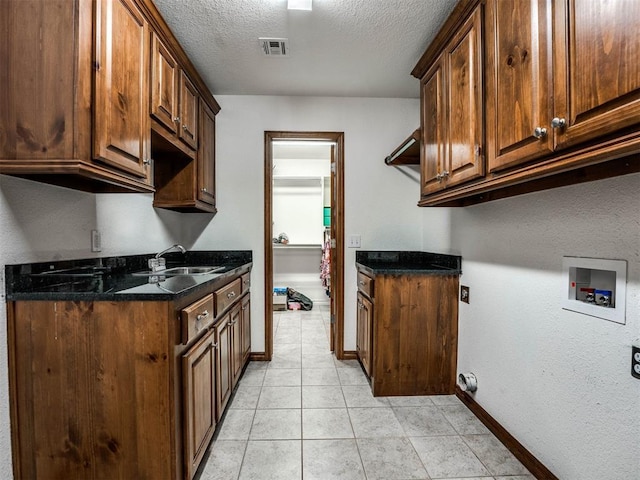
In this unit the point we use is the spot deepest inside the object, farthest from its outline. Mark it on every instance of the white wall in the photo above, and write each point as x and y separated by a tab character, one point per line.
40	222
380	201
558	381
297	211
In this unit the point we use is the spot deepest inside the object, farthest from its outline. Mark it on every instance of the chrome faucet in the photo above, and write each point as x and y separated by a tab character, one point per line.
158	263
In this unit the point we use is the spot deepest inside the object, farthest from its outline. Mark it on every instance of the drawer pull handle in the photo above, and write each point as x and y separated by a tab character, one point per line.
231	294
361	282
202	315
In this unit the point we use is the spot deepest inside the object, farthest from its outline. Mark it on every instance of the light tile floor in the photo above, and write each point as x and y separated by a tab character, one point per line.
306	415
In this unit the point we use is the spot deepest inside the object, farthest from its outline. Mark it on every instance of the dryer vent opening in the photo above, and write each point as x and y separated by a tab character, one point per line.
468	382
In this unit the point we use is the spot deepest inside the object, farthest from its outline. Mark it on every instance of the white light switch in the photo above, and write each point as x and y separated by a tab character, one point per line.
96	241
354	241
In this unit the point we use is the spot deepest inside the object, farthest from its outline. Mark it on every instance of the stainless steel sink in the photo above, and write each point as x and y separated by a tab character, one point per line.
175	271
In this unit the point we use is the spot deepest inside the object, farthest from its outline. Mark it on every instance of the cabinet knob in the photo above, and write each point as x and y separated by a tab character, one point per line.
445	174
146	161
231	294
185	128
558	122
439	177
176	119
202	315
540	132
214	345
203	190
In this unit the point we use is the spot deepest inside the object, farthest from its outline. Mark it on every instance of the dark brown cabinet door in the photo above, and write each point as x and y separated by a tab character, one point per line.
364	332
164	85
199	384
121	113
206	169
596	68
223	363
246	327
236	343
415	335
518	82
452	111
463	62
188	128
433	92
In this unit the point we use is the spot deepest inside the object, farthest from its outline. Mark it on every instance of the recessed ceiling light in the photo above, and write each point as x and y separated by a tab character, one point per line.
299	4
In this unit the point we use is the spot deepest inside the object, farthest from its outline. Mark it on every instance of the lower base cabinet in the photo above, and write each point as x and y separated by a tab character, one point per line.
364	339
246	328
407	333
199	383
237	353
223	364
121	390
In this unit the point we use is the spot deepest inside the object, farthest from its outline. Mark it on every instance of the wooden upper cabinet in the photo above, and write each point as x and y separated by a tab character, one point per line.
452	111
188	128
519	104
558	78
164	85
121	127
206	166
465	141
433	106
561	98
37	101
596	68
74	102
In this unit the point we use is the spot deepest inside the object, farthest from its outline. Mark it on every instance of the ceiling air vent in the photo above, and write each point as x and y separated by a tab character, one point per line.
274	47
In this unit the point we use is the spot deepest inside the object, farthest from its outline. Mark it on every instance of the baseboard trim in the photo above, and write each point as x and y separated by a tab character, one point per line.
349	355
258	357
532	464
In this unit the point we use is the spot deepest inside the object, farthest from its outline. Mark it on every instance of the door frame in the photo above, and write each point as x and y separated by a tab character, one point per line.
337	260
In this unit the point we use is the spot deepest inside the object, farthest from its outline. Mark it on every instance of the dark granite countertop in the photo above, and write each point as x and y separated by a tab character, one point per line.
112	279
407	262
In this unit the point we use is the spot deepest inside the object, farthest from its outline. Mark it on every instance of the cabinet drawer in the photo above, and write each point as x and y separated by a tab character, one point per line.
196	318
365	284
246	282
227	295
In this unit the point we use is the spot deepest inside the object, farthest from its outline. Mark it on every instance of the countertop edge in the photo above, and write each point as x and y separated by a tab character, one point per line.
204	287
406	271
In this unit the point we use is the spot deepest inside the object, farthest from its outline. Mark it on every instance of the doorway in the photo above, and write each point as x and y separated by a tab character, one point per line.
336	230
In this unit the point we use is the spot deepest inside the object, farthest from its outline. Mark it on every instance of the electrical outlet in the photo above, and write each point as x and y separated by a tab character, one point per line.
464	294
635	361
96	241
354	241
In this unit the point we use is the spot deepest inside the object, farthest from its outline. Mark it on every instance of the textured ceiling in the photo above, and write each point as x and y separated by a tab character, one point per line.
355	48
